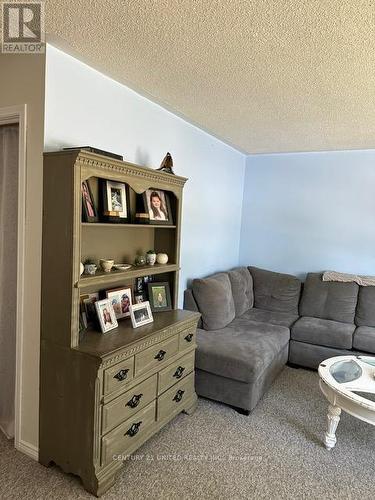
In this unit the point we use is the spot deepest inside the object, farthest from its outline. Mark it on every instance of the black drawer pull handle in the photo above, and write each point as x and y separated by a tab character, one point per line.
121	375
134	401
133	429
178	373
160	355
189	337
178	396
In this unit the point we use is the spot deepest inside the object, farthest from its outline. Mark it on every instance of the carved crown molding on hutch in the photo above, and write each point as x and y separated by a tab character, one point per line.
93	161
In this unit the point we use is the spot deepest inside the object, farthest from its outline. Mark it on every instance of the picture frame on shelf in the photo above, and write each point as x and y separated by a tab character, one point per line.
140	290
159	296
89	210
138	299
106	315
82	322
115	201
88	307
157	204
121	300
141	314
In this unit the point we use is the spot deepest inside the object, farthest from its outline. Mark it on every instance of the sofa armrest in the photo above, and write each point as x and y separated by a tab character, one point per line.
191	305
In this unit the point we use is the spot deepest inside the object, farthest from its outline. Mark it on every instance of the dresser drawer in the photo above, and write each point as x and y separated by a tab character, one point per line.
156	355
128	404
176	371
126	438
119	375
173	400
187	338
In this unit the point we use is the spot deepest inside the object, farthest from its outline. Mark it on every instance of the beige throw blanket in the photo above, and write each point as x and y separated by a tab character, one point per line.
348	278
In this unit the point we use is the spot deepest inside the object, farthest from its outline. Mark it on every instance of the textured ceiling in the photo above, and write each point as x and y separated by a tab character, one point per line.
262	75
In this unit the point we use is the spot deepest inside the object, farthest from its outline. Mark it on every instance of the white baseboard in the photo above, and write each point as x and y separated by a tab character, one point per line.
28	449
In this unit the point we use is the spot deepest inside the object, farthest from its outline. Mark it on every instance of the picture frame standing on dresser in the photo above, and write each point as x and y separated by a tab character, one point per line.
89	211
159	296
141	314
157	204
115	201
121	300
106	315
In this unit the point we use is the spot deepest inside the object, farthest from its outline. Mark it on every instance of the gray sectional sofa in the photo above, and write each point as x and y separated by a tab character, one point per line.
253	321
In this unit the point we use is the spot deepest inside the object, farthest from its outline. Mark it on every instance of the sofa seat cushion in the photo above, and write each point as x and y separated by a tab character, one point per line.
328	299
242	289
275	291
323	332
273	317
365	313
242	350
214	298
364	339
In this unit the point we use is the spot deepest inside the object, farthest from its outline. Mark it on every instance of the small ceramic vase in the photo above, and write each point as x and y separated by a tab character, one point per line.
140	260
106	264
90	268
150	258
162	258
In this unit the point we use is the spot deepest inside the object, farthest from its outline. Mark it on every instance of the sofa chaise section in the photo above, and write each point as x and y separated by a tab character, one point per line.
242	348
245	353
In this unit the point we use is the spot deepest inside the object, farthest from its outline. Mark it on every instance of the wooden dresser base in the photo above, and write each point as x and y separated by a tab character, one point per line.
97	409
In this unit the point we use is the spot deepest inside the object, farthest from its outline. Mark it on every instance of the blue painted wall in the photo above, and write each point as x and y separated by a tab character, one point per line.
300	212
85	107
310	212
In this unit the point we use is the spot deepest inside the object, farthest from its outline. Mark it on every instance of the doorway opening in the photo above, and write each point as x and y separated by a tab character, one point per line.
12	246
9	142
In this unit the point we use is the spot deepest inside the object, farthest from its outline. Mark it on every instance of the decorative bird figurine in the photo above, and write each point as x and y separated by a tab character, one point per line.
167	164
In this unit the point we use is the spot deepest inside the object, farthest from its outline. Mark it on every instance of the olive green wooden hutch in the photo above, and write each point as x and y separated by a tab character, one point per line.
103	395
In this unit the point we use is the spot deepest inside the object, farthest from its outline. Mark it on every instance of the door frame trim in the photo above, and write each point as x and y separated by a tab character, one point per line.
9	115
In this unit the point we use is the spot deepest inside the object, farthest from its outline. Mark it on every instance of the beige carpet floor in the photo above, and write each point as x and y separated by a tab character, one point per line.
275	453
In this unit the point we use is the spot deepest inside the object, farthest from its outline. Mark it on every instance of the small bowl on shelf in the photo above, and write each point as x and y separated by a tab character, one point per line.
106	264
122	267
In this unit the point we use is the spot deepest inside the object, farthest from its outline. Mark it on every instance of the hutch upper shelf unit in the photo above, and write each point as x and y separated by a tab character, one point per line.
103	395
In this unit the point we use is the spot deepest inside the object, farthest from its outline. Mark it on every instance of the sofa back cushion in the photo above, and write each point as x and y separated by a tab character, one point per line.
275	291
215	301
242	289
328	299
365	314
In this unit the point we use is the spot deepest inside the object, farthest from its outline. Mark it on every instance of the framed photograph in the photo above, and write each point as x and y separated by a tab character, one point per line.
140	293
121	300
159	296
158	206
88	307
89	212
141	314
106	315
138	298
115	201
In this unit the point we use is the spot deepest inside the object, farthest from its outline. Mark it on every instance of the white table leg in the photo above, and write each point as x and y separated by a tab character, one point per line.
333	417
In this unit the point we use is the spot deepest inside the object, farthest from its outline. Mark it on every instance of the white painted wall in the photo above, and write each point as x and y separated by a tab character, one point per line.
84	107
310	212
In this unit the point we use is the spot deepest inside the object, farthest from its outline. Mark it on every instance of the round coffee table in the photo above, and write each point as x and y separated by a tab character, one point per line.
348	383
